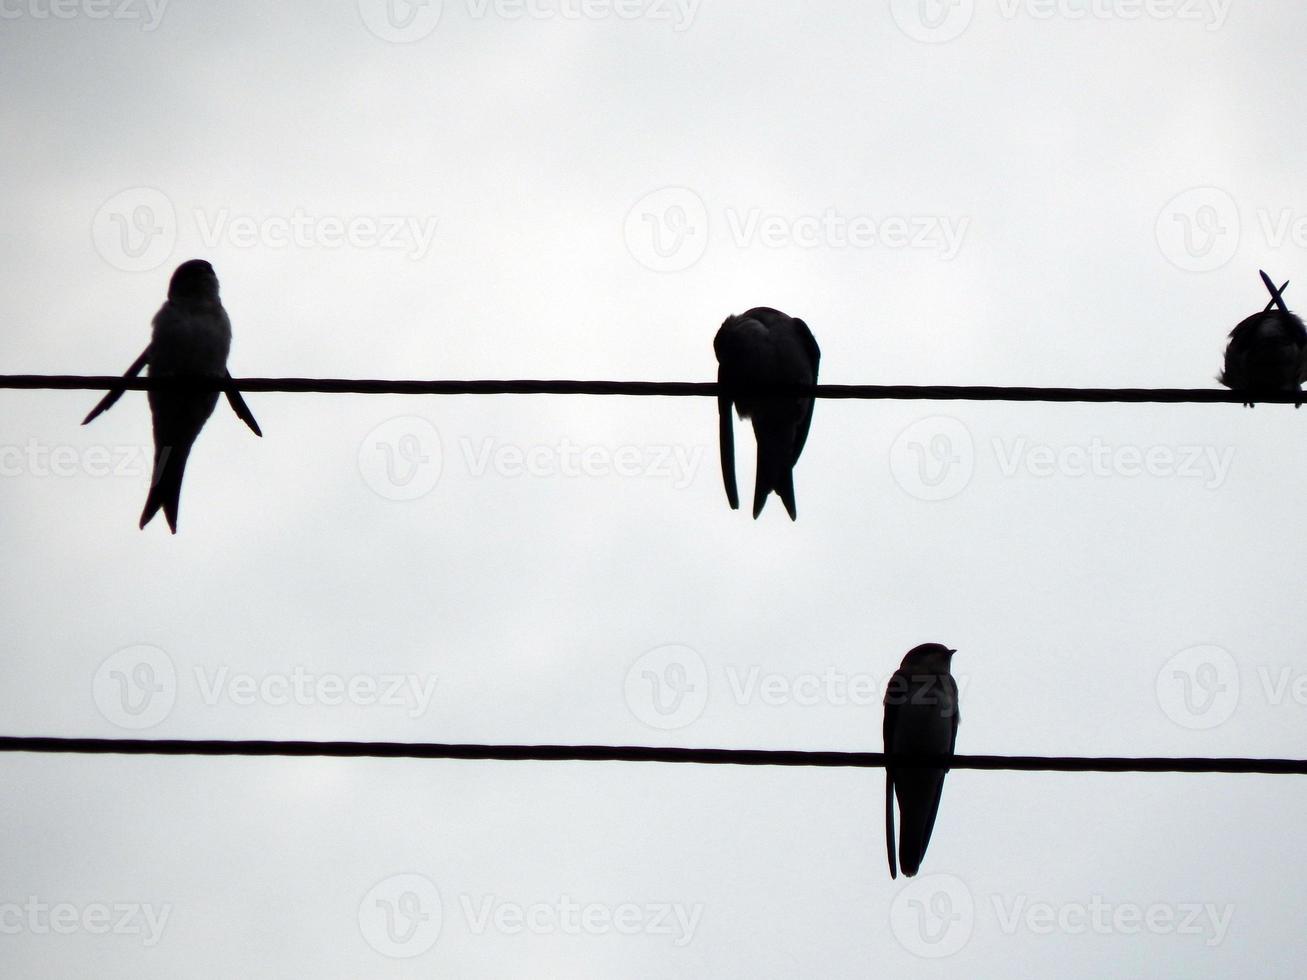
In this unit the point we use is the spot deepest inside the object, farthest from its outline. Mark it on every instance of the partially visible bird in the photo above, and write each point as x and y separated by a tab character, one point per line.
921	718
191	340
1267	354
765	348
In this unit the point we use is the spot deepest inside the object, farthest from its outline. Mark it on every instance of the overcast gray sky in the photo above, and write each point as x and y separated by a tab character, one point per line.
1020	192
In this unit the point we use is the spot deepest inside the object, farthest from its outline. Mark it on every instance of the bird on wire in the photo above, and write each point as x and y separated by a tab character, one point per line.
921	718
191	340
757	350
1267	353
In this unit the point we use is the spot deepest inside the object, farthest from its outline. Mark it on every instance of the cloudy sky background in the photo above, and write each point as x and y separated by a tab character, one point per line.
1086	192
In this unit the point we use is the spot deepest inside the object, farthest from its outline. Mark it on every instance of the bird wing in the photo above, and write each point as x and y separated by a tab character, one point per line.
1277	295
809	344
725	400
891	718
108	401
951	686
1277	298
241	409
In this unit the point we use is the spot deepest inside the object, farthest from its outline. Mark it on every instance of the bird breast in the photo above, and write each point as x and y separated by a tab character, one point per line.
195	341
925	727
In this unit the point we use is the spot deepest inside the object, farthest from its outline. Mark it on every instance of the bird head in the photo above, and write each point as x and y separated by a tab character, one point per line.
193	280
929	657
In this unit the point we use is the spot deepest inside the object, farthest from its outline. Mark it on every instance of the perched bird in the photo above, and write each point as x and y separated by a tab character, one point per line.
765	348
921	718
1267	354
191	340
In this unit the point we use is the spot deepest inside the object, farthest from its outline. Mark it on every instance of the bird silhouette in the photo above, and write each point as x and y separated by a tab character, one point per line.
765	348
921	718
1267	353
190	342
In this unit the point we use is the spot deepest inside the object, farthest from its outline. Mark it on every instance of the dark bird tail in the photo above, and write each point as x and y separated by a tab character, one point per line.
785	490
911	848
166	484
919	792
775	472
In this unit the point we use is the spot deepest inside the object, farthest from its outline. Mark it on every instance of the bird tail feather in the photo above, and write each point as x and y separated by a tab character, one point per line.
775	473
166	485
918	803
